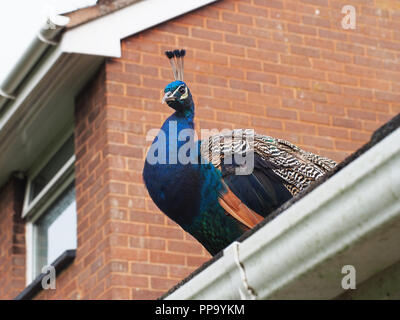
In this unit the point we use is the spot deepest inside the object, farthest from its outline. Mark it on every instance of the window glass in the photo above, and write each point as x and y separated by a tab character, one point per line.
51	168
55	231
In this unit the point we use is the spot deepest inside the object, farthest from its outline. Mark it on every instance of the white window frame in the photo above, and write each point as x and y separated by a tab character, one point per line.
33	209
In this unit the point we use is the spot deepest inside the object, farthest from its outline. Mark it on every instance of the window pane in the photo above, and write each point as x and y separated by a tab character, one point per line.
55	230
52	167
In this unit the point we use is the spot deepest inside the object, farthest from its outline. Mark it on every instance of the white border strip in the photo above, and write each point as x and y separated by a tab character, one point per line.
102	36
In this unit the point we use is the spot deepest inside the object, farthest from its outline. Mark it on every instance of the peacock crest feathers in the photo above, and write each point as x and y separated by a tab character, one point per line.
297	167
175	58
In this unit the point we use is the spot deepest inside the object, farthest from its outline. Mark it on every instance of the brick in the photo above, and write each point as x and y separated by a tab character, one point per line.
309	73
342	79
387	96
351	48
272	46
261	77
250	108
347	145
287	37
333	132
330	109
308	52
319	43
323	33
162	283
240	40
293	82
266	123
252	10
297	104
208	35
194	43
195	261
281	113
301	29
123	78
183	247
146	217
148	269
229	94
319	142
262	55
222	26
165	232
244	85
346	123
328	65
300	127
368	62
295	60
233	118
168	258
211	57
311	95
142	93
232	49
269	3
191	19
275	90
140	294
140	46
127	281
314	117
335	56
147	243
316	21
179	271
174	28
237	18
359	136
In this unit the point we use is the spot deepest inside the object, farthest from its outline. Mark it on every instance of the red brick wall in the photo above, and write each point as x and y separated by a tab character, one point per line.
12	240
274	66
271	65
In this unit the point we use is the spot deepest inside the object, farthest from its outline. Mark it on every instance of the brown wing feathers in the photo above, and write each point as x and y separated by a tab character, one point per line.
237	209
297	168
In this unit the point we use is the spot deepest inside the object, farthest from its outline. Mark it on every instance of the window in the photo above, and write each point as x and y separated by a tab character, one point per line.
50	208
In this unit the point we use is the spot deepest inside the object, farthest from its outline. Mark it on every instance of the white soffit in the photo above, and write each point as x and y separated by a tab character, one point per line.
102	36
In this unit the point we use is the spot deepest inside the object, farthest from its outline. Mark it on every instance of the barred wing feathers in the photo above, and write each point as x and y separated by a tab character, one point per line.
296	167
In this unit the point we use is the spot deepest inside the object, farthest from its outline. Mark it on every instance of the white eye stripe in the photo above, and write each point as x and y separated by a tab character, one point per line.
179	88
185	95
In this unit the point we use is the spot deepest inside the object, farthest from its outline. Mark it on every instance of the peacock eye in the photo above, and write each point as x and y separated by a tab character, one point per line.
182	90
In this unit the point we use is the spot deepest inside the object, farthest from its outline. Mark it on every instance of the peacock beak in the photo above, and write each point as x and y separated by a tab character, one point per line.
168	97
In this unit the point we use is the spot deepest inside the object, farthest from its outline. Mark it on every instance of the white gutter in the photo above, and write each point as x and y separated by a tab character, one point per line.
353	218
46	37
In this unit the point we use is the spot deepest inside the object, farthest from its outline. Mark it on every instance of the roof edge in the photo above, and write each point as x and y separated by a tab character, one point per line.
308	243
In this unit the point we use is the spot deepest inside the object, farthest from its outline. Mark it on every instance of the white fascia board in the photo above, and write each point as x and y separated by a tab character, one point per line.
102	36
352	218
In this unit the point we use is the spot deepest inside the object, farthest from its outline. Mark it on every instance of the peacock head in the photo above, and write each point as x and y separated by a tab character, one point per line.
177	94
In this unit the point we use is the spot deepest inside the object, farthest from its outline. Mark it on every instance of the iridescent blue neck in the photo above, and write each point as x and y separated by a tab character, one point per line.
189	114
172	128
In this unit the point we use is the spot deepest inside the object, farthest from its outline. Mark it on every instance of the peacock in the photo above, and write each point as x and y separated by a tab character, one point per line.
220	187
